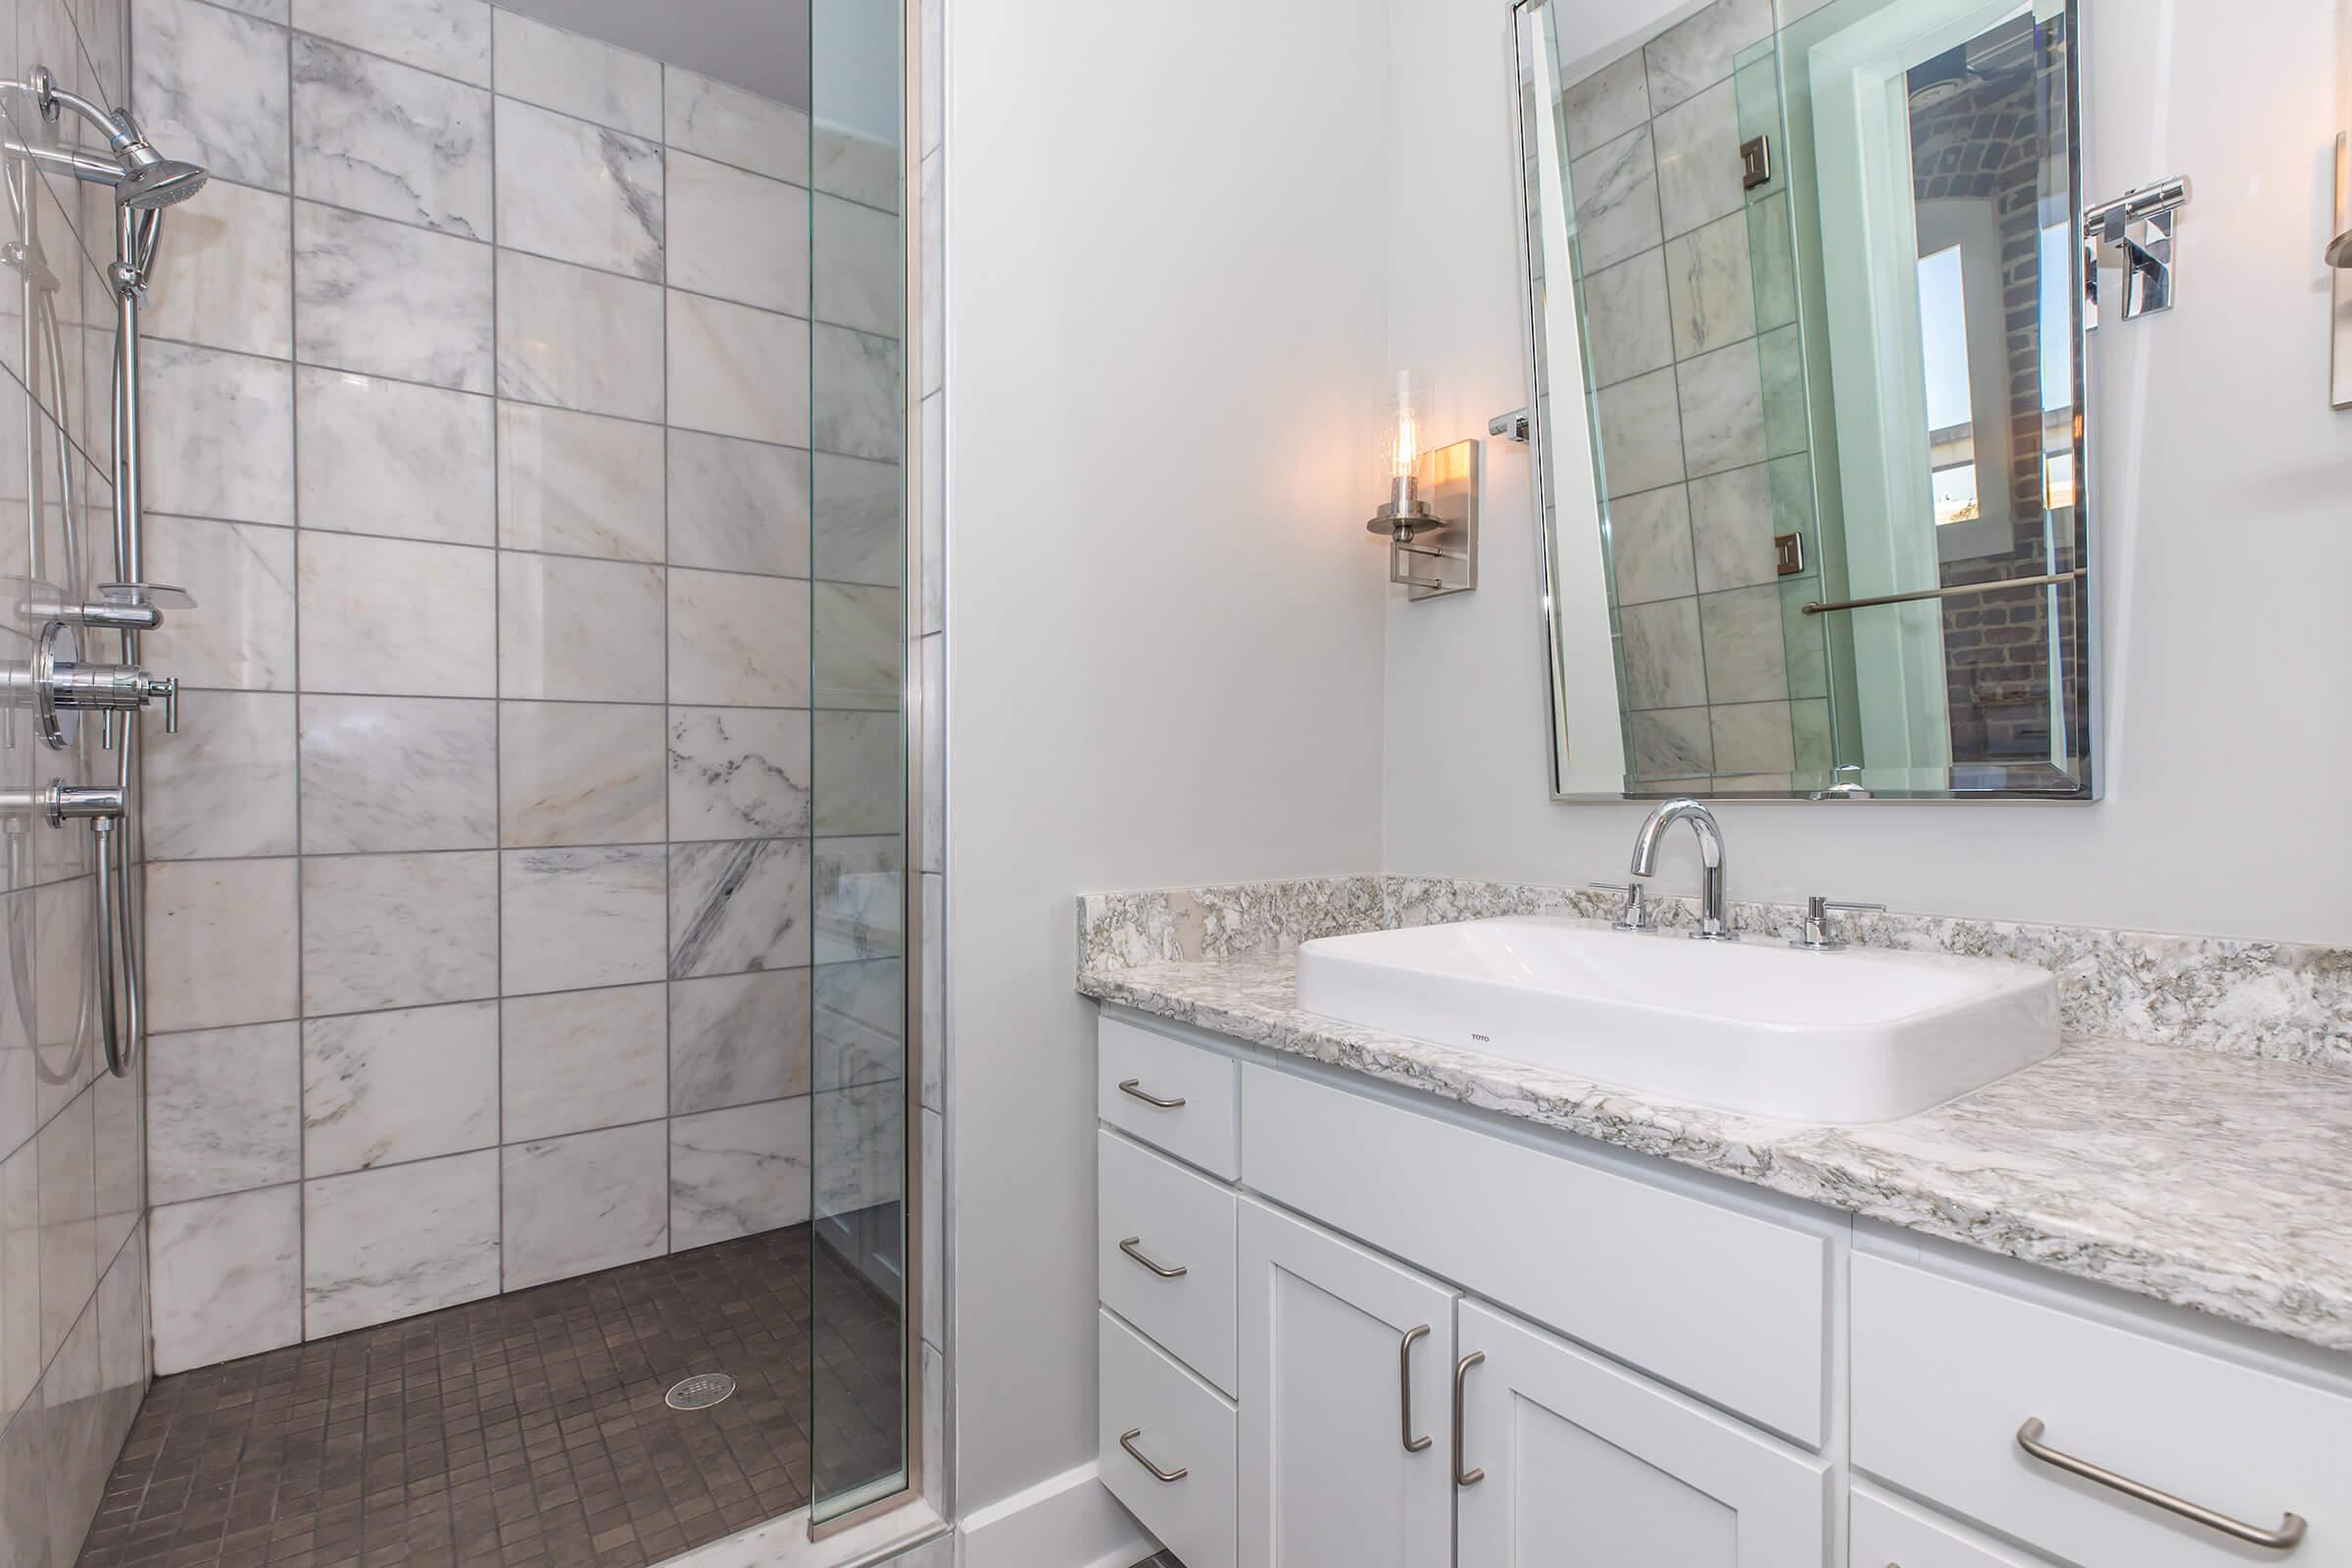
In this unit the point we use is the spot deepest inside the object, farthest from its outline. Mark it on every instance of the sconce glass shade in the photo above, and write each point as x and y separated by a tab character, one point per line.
1401	443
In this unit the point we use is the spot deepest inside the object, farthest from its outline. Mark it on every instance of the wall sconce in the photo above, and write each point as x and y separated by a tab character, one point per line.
1431	515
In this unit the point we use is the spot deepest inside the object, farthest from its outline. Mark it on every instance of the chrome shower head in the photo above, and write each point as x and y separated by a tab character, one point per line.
166	182
149	181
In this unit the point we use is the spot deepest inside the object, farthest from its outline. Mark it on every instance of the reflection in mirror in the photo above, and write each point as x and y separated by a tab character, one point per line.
1804	295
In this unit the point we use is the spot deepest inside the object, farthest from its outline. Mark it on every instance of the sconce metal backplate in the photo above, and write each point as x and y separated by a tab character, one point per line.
1444	560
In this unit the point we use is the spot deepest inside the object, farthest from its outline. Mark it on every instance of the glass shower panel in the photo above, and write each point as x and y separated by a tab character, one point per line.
860	1289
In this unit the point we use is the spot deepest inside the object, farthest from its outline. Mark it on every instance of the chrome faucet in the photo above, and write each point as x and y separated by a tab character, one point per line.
1714	923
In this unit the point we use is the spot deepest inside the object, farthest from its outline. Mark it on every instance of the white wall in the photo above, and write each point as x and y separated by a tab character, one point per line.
2225	523
1165	325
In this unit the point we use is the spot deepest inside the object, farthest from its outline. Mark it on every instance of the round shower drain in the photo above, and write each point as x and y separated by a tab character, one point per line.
700	1393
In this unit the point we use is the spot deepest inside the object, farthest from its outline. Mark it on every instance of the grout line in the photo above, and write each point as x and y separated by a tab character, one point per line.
498	632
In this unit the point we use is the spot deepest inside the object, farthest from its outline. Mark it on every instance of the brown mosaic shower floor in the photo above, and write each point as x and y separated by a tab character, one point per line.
524	1430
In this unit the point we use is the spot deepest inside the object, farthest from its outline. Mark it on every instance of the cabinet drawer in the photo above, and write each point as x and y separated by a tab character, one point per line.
1156	1419
1168	1218
1945	1373
1889	1533
1170	1095
1725	1304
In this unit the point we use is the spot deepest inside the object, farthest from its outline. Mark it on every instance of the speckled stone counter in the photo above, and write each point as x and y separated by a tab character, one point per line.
2210	1180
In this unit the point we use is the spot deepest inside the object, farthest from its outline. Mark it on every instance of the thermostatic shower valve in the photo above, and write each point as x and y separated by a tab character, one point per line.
58	686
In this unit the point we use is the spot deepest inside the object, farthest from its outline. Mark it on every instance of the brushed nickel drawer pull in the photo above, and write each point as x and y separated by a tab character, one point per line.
2286	1538
1134	1086
1164	1477
1404	1389
1461	1375
1135	1251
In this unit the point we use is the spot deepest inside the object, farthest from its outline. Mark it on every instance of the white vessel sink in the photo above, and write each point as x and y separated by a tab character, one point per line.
1854	1036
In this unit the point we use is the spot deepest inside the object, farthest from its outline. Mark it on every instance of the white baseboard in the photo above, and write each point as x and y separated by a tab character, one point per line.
1069	1521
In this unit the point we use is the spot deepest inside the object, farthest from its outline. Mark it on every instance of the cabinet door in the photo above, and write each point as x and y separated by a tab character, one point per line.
1586	1465
1345	1356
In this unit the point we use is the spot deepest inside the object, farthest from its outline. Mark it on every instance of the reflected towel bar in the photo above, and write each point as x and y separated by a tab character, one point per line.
1953	592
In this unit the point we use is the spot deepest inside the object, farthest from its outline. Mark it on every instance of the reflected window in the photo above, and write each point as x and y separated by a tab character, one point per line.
1943	356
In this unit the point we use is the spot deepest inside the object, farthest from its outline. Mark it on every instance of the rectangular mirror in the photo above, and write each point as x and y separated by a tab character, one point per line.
1806	311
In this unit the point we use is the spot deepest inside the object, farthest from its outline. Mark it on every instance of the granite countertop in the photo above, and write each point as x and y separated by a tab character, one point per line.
2211	1181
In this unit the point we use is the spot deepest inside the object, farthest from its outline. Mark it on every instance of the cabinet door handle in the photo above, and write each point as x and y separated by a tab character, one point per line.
1461	1375
2286	1538
1404	1389
1130	1247
1164	1477
1134	1087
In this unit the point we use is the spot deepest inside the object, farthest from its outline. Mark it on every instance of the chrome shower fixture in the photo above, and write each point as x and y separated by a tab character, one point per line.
145	180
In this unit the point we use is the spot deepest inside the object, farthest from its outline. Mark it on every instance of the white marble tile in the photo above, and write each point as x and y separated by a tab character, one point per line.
1732	527
394	774
364	601
1772	254
578	1204
226	277
576	917
724	121
219	434
860	1030
1605	104
579	484
450	36
577	338
934	539
1628	330
931	1038
577	75
857	899
858	535
863	1131
223	1112
220	942
123	1318
1744	659
582	629
737	1172
1649	546
386	1088
66	1152
738	1038
388	298
1714	295
1664	661
223	786
1698	53
1616	189
848	164
390	457
1697	182
855	646
383	1245
738	641
242	634
211	86
578	191
738	506
931	1171
858	267
575	1060
398	930
390	139
739	235
580	774
739	772
19	1277
1640	434
1671	743
1753	738
854	394
736	370
859	772
738	906
1722	405
227	1277
1780	373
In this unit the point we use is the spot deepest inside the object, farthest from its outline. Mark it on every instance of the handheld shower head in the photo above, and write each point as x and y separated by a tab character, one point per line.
166	182
149	181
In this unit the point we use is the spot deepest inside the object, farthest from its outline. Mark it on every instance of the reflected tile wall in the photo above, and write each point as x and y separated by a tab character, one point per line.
485	952
73	1179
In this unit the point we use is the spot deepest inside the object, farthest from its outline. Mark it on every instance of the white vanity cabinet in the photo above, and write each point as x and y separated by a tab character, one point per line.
1370	1333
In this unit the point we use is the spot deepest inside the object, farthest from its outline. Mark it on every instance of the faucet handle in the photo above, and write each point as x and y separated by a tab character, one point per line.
1636	915
1817	936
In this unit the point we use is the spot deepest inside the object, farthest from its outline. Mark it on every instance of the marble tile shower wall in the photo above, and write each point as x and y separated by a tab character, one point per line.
73	1261
515	827
1689	299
